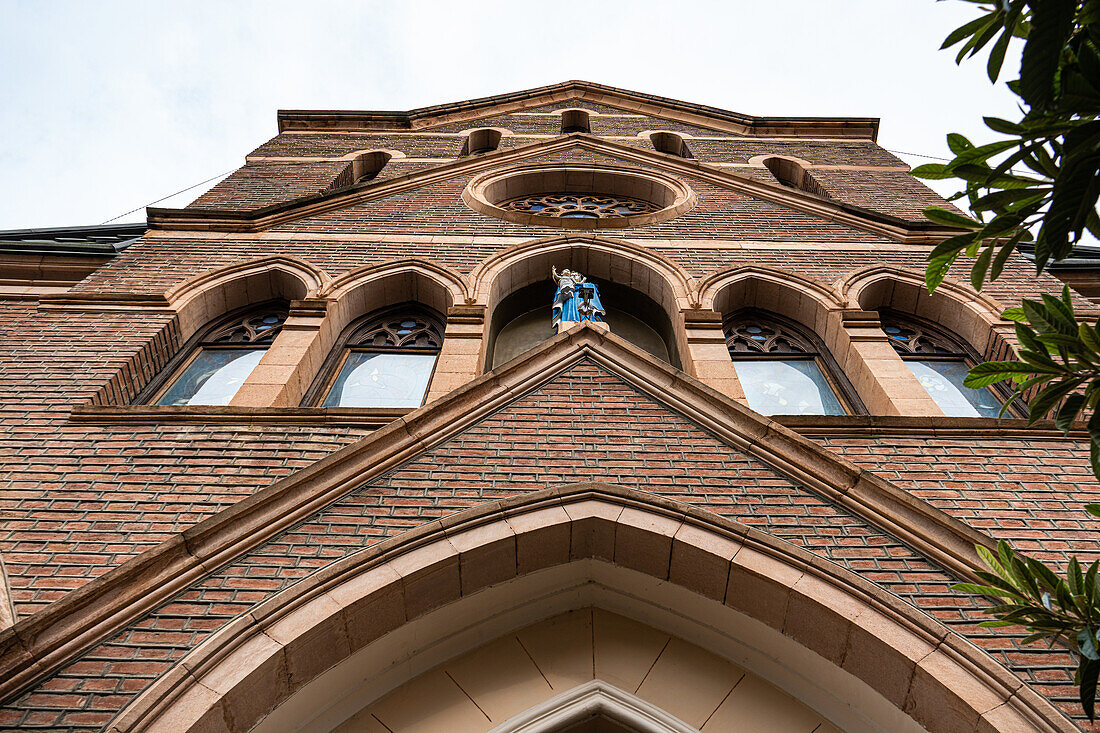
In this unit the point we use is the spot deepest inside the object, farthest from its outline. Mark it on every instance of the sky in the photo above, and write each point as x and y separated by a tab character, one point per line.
106	107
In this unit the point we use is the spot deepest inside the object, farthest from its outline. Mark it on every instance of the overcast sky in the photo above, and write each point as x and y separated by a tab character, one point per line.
108	106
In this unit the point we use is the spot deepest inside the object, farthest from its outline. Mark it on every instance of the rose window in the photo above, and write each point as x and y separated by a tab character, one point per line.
579	206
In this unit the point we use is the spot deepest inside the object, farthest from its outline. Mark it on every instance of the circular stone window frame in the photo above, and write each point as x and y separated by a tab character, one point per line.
487	191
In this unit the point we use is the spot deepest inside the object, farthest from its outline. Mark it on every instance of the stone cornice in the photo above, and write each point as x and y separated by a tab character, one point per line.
42	642
264	218
427	117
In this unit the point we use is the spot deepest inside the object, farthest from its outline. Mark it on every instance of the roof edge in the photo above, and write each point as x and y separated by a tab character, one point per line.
423	117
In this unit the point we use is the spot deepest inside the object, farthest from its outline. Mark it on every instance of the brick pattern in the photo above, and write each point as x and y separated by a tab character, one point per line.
79	500
262	184
627	438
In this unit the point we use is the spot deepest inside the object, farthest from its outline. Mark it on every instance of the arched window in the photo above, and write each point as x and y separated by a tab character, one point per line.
792	174
214	364
368	165
670	143
479	142
521	321
940	362
783	369
384	360
574	120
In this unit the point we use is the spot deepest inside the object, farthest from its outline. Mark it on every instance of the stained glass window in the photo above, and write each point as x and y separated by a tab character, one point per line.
780	369
223	358
386	361
940	363
574	206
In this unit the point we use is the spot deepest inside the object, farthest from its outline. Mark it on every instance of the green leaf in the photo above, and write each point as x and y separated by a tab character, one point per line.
1089	672
1069	411
950	218
981	267
932	171
965	30
1045	401
1093	509
1013	314
1004	126
937	270
991	372
1051	25
958	143
997	55
981	590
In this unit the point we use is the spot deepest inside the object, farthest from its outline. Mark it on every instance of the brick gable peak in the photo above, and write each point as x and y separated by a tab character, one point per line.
42	642
425	118
219	220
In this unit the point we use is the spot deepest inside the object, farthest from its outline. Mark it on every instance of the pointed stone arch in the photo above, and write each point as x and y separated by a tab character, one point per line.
209	294
851	650
974	316
617	261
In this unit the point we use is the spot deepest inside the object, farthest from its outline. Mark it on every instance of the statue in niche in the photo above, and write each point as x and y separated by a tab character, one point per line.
576	299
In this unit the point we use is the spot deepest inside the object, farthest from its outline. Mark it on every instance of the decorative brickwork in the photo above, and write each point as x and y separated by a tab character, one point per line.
90	481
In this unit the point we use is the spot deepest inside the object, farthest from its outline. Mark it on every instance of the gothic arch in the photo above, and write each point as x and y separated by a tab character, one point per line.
393	153
378	618
371	286
974	316
798	298
214	292
616	261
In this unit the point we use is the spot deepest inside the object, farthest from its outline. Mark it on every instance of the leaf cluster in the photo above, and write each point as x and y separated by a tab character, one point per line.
1051	608
1052	202
1057	355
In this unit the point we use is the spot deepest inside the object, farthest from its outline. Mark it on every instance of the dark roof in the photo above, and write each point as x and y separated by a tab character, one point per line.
104	239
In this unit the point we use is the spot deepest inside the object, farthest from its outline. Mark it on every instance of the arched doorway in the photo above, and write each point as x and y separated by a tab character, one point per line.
364	628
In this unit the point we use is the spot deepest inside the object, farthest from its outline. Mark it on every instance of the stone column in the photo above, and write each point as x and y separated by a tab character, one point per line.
885	384
708	359
291	362
461	353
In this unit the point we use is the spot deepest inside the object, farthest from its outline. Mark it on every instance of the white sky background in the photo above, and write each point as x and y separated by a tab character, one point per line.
108	106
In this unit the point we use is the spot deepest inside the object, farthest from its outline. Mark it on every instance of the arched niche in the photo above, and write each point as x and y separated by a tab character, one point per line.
970	315
794	297
212	294
367	290
633	276
582	667
320	651
521	322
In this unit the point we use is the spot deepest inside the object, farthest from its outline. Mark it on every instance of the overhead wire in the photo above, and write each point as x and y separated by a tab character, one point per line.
177	193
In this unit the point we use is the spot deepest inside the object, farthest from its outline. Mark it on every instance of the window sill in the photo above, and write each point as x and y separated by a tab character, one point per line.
122	414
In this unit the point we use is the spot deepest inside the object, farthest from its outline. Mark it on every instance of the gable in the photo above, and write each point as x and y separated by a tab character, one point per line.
577	409
721	213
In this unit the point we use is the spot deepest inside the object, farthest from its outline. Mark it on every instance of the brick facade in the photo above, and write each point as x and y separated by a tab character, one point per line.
87	490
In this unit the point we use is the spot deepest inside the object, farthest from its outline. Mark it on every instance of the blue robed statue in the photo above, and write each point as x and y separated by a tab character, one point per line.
576	299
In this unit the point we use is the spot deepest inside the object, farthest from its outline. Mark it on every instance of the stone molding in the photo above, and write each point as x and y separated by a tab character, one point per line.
247	668
40	643
594	698
646	104
672	195
773	192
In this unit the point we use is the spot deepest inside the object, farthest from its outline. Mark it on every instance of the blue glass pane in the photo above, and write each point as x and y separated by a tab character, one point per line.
794	387
944	381
381	380
213	377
